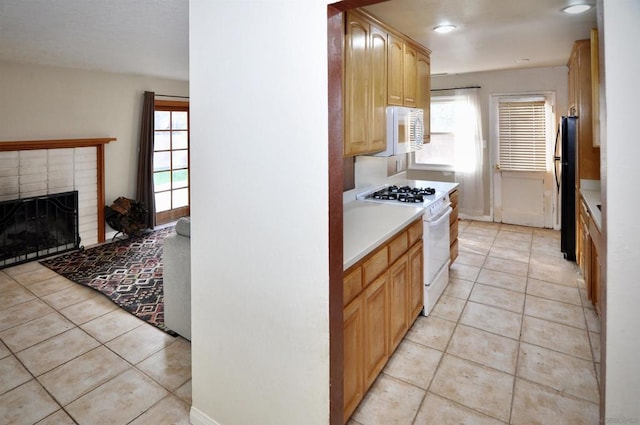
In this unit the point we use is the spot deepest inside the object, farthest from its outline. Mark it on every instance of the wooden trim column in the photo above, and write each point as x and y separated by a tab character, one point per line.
100	189
335	42
26	145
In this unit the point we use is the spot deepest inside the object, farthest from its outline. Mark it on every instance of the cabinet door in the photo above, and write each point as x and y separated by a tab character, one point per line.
395	60
356	85
423	100
410	76
398	301
353	332
378	107
376	332
416	279
573	70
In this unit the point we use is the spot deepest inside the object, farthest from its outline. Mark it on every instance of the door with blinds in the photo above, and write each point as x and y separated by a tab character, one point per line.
522	145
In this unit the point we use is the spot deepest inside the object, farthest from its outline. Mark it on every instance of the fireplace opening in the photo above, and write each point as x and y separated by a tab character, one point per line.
37	227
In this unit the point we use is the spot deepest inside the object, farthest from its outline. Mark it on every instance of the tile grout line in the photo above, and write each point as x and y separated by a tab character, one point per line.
524	307
131	366
444	352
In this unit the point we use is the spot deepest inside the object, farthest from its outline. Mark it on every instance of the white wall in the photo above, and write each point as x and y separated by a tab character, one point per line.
260	327
38	102
620	177
554	79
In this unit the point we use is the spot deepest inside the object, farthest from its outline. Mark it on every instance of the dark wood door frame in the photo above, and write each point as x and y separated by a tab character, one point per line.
335	47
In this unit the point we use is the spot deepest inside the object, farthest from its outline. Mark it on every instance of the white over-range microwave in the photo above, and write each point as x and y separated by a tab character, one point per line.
405	130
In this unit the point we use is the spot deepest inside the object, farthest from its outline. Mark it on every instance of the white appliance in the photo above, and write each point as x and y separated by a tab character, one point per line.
405	130
435	233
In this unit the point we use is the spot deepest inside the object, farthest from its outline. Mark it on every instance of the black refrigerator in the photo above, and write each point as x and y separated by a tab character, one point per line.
566	185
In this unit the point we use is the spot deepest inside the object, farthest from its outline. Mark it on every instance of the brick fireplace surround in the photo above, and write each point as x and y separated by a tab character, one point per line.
43	167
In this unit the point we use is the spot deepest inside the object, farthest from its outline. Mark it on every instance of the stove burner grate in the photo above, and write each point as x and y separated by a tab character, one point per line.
403	194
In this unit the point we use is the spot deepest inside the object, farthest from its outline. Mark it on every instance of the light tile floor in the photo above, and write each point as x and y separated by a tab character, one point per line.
68	355
513	340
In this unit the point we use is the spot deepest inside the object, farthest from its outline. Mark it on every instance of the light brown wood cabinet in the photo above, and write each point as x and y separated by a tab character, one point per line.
595	88
582	235
365	78
353	335
402	65
395	70
410	76
398	301
381	68
580	105
416	287
423	100
589	247
376	330
453	226
383	295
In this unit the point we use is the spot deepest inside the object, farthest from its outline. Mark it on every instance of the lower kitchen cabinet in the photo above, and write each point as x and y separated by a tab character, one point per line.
453	226
416	268
589	243
593	281
399	298
376	329
353	334
383	295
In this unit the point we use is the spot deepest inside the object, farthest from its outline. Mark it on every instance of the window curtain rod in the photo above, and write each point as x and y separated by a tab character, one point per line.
457	88
170	95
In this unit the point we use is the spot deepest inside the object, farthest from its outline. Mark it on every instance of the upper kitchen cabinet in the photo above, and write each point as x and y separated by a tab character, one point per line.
402	68
580	105
365	86
381	68
595	87
423	89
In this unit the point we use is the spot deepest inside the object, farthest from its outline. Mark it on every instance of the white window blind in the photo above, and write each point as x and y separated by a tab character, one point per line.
522	135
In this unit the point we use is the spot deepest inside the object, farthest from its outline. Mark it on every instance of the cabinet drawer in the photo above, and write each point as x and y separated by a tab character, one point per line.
454	215
398	246
374	266
351	285
415	232
453	197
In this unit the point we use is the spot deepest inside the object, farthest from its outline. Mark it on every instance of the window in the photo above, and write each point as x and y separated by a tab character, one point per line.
440	153
171	160
456	133
522	134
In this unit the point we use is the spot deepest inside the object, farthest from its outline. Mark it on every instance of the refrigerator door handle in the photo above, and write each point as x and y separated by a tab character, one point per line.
556	158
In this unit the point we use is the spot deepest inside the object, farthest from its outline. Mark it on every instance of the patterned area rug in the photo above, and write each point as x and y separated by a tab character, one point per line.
128	271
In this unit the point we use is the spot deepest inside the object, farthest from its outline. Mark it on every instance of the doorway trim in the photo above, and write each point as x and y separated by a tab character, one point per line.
552	217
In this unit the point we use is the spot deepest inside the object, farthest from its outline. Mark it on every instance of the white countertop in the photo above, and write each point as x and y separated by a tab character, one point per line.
438	186
592	200
369	224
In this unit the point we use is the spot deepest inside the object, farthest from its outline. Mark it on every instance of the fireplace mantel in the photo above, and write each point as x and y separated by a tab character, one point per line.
98	143
25	145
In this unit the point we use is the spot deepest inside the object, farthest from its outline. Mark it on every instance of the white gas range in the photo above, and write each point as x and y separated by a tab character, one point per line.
435	236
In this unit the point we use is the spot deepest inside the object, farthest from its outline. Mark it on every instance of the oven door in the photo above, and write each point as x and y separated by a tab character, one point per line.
436	240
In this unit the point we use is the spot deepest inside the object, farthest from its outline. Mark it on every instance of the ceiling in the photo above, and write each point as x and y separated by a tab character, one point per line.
151	37
146	37
491	34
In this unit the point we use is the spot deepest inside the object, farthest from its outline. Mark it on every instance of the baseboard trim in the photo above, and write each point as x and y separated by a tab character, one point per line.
475	217
199	418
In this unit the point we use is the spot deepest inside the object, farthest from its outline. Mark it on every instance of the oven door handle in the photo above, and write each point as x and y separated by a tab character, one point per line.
440	217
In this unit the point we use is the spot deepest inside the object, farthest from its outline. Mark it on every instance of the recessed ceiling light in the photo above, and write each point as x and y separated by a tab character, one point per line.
576	8
443	29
